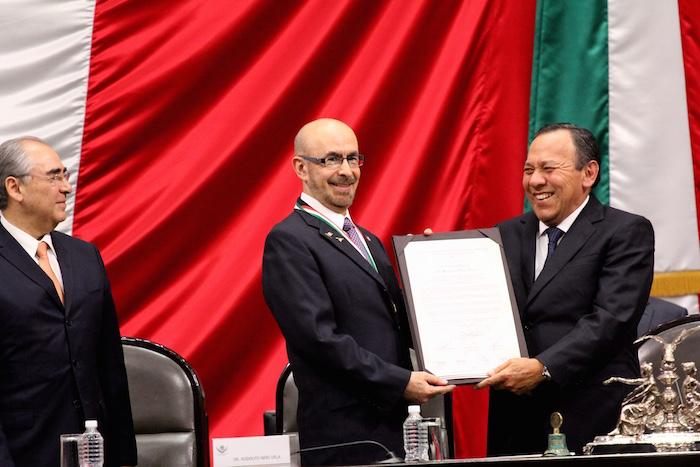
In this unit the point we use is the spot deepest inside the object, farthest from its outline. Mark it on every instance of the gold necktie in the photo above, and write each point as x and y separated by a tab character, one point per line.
41	252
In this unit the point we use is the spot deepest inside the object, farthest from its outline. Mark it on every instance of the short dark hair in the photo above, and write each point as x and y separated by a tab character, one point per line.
14	162
587	149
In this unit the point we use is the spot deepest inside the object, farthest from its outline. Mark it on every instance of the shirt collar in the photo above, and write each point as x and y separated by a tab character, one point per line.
566	224
26	241
337	219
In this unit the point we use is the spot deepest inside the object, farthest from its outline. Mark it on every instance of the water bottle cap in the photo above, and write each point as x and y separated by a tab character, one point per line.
414	409
90	423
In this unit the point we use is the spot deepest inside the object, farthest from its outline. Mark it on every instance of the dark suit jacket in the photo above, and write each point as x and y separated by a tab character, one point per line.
343	325
580	319
658	312
59	366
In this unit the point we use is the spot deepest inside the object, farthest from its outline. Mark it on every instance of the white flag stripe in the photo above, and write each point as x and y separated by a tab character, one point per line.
651	170
44	63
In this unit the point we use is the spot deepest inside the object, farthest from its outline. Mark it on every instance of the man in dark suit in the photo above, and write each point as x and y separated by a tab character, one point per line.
338	303
579	307
61	359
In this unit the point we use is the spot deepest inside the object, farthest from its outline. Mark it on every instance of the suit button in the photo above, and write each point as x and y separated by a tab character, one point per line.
77	404
69	323
527	326
75	362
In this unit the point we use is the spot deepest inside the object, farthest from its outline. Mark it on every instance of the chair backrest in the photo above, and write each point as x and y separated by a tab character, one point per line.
286	401
688	350
167	402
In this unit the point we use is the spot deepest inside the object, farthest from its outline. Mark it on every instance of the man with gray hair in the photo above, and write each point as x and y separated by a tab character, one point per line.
61	360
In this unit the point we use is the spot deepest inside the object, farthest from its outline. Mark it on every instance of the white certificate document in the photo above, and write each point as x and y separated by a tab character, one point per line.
463	315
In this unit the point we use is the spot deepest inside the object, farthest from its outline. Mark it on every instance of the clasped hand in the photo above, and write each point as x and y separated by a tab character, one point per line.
423	386
517	375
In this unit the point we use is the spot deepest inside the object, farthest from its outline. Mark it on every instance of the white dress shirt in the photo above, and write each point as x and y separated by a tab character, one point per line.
337	219
30	244
543	238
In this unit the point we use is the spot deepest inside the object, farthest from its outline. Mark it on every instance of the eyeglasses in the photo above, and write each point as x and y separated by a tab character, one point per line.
333	162
54	178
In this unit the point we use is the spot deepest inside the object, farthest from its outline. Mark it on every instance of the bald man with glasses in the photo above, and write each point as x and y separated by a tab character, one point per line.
333	291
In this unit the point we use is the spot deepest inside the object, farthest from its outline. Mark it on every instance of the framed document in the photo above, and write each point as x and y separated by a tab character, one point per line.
461	307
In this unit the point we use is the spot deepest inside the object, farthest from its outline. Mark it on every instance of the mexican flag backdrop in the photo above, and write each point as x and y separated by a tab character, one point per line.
177	119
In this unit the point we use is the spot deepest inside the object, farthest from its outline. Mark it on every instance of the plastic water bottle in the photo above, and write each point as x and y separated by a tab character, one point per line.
413	443
92	449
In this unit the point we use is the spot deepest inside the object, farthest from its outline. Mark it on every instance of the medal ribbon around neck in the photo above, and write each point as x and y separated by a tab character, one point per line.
309	210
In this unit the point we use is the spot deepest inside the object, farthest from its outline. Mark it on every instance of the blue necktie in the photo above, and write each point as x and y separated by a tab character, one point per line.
554	235
350	229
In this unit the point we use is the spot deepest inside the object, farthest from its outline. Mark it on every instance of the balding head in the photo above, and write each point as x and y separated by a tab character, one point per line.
333	186
320	134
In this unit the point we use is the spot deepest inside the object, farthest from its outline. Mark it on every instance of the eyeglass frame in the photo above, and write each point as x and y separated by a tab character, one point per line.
323	161
53	177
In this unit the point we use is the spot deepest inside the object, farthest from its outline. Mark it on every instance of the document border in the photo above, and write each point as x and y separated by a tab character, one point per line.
421	348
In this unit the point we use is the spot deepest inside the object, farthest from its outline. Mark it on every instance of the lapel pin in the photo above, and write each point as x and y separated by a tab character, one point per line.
340	239
329	234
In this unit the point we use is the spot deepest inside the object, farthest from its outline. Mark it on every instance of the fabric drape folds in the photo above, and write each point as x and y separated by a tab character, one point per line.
185	162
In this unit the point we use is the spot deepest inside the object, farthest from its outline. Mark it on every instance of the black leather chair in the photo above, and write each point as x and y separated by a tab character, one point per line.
283	419
167	401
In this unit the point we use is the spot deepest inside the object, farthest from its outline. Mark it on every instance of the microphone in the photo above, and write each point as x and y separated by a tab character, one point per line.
391	457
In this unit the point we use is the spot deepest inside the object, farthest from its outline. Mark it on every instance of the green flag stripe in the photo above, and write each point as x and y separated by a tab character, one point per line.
570	72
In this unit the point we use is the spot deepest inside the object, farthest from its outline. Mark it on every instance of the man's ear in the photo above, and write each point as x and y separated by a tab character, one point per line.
590	173
300	167
12	185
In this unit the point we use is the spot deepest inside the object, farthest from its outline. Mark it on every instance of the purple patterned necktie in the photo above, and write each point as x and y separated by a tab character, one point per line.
554	235
350	229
